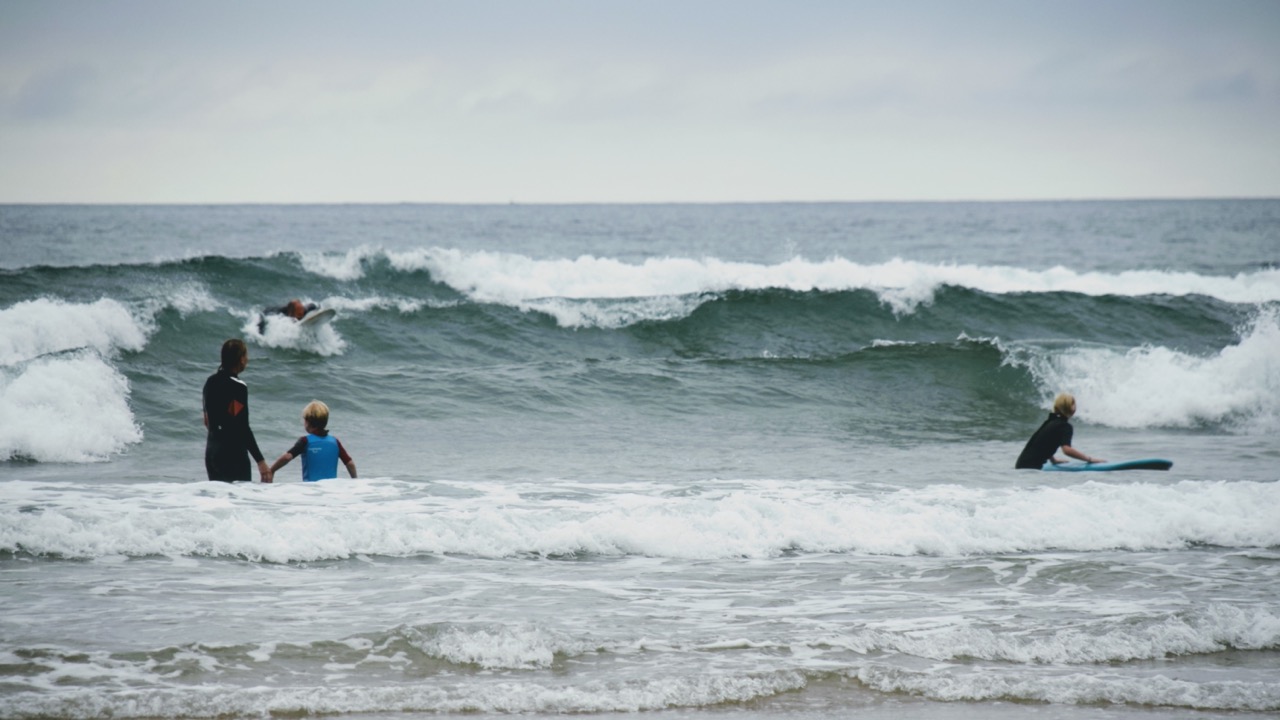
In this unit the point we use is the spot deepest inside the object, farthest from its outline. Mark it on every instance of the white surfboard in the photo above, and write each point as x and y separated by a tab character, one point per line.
317	317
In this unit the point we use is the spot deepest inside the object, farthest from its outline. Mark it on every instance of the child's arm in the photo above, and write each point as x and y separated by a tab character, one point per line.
293	452
345	457
280	462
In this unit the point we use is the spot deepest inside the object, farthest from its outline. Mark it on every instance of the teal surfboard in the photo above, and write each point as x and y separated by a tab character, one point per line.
1147	464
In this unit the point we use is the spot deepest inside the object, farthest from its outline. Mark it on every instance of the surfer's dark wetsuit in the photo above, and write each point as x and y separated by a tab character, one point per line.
231	441
294	309
1044	443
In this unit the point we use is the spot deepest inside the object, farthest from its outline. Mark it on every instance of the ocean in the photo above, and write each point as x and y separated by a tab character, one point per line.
690	461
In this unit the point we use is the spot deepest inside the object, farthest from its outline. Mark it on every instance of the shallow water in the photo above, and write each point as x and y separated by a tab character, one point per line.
689	460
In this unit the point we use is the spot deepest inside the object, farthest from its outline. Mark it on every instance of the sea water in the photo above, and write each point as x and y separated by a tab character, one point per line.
687	460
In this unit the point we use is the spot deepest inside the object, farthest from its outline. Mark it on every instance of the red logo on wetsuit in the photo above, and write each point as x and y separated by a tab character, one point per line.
234	407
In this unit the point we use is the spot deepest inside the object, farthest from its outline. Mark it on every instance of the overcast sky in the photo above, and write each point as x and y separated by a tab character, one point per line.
214	101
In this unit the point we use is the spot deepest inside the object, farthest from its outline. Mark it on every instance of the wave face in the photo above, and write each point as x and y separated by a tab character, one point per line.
750	459
1147	349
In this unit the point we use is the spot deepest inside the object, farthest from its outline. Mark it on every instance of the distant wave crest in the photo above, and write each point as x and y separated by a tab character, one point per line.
903	285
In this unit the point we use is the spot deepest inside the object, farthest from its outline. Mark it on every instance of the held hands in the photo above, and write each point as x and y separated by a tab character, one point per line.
264	472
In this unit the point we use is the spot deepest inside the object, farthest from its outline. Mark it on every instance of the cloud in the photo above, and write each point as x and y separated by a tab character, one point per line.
1234	87
562	100
55	93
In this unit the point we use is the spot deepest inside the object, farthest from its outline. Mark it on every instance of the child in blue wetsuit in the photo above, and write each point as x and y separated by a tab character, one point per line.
319	450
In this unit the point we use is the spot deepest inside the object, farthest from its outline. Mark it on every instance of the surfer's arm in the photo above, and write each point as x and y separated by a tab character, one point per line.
1072	452
351	467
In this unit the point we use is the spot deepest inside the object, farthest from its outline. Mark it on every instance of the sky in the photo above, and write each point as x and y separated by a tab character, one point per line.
602	101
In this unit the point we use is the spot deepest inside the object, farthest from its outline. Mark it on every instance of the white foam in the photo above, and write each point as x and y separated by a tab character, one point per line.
954	684
60	398
404	306
56	691
186	299
347	266
441	696
68	408
1113	639
1160	387
613	313
903	285
1057	666
493	647
663	288
279	331
39	327
297	522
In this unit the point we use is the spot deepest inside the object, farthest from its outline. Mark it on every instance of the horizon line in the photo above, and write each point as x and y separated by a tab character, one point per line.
579	203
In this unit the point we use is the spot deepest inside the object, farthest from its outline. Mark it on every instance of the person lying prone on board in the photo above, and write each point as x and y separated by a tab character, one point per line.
295	309
320	451
1054	433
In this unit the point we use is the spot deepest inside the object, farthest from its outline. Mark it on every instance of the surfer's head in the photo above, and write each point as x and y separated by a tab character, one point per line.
1064	405
295	309
235	355
315	415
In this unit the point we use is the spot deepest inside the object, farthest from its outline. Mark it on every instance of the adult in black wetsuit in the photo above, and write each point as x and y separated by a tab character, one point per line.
1054	433
226	414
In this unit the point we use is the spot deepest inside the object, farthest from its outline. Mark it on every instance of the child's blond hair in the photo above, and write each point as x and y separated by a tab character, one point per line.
1064	404
316	414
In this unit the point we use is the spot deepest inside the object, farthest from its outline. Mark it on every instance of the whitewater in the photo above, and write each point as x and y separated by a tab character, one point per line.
693	461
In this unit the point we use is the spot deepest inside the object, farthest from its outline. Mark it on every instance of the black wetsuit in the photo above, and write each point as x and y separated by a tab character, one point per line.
231	441
1053	434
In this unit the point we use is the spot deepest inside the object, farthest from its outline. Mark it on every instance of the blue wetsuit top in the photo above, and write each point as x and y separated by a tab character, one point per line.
320	455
